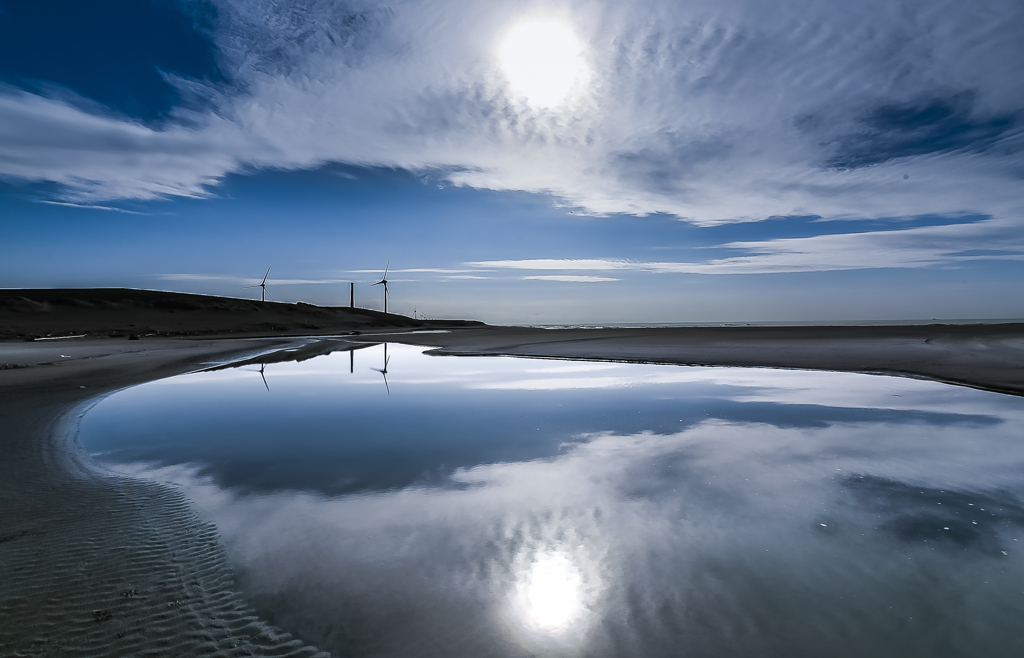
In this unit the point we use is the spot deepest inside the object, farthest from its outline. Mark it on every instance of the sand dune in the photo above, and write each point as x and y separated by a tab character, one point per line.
120	312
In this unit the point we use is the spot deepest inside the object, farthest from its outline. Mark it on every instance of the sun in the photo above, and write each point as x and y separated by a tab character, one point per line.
543	62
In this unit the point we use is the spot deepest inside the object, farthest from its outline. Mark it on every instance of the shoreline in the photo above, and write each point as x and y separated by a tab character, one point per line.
986	357
95	563
85	554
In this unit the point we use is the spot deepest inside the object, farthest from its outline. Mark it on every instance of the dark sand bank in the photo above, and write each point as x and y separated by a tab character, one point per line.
985	356
97	564
120	312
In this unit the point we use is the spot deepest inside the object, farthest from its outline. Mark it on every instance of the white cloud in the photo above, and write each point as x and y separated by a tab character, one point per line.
92	206
908	248
422	270
246	280
556	264
570	278
709	111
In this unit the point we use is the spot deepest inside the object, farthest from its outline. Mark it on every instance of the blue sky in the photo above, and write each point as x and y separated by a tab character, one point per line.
527	162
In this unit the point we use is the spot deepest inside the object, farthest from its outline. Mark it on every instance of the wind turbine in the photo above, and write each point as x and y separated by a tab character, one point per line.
263	286
384	280
385	370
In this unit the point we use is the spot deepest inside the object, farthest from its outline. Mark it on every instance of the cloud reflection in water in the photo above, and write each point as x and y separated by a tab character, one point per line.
734	535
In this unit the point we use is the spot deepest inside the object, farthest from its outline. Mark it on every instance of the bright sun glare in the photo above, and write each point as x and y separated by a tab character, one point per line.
543	61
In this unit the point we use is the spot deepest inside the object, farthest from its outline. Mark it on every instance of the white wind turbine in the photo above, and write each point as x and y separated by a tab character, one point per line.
384	280
262	285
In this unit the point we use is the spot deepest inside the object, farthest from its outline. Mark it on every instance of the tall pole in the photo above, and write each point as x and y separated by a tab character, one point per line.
352	295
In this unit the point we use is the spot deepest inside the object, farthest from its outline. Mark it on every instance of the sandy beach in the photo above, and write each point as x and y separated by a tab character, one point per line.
93	563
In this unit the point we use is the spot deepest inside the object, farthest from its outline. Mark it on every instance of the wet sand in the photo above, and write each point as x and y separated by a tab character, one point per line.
93	563
984	356
98	564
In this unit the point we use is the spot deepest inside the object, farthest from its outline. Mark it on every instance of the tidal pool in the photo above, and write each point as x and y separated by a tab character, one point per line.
491	506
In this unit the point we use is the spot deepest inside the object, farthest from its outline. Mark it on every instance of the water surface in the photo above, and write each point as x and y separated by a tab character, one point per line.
491	506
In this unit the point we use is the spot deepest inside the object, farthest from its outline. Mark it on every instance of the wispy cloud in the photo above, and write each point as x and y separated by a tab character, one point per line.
708	111
557	264
246	280
908	248
570	278
416	270
92	206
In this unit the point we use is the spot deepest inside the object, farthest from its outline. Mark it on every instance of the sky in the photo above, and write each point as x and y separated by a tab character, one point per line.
523	162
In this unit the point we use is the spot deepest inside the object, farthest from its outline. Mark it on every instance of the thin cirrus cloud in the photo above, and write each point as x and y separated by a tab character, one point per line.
931	246
417	270
92	206
712	112
569	278
246	281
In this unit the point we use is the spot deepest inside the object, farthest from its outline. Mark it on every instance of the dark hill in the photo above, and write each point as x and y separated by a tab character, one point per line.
122	312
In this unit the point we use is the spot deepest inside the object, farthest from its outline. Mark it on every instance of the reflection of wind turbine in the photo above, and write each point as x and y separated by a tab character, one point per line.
263	286
385	370
384	280
264	377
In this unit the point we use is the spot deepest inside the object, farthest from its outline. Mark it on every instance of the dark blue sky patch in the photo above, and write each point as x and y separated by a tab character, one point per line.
928	125
109	51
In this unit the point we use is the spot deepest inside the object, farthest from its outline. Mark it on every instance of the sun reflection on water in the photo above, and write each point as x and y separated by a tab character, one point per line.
551	593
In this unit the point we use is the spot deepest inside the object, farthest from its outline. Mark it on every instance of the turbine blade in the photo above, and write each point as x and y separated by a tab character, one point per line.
268	294
376	284
265	381
388	388
266	275
386	269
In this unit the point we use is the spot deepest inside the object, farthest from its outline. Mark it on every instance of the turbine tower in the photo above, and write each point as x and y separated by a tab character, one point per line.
384	280
263	287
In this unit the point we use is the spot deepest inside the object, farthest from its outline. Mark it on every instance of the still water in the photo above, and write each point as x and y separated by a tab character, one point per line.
490	506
